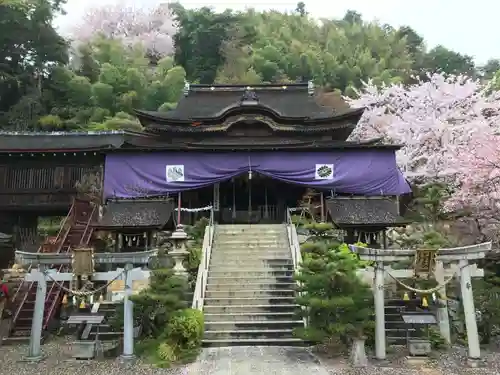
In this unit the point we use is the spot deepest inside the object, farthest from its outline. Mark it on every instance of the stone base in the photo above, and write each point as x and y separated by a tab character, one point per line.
474	362
33	359
416	361
127	359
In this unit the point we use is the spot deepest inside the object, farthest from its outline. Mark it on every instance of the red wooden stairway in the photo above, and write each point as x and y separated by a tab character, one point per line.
75	230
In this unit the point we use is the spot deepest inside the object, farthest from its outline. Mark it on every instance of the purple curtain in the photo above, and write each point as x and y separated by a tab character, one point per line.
362	172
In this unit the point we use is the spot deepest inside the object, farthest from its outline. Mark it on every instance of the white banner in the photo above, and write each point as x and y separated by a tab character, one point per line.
324	172
175	173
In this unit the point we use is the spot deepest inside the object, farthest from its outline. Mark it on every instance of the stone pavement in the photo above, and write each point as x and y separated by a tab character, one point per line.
255	361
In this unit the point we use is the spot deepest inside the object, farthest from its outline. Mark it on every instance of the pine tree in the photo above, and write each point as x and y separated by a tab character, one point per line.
335	301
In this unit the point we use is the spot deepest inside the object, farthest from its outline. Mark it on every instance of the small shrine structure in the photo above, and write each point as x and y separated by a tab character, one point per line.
445	265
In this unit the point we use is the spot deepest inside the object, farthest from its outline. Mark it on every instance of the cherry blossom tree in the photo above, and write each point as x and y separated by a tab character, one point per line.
436	121
153	28
450	130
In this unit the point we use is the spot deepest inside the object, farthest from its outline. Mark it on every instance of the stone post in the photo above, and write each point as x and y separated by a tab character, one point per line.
128	316
469	310
378	295
179	252
35	352
442	312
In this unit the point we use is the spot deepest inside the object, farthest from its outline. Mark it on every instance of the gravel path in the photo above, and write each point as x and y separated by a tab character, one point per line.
242	361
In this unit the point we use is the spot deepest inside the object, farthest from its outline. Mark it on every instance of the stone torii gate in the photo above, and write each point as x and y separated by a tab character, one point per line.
40	264
444	263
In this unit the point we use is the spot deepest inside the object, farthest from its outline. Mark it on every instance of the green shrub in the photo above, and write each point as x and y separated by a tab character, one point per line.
166	352
153	307
186	328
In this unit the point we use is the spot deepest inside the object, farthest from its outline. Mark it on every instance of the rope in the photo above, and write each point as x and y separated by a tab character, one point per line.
424	291
183	209
83	293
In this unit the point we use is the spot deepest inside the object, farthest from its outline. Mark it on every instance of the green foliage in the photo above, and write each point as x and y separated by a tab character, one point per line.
104	77
153	307
196	234
179	343
336	303
171	332
487	303
427	206
437	340
186	329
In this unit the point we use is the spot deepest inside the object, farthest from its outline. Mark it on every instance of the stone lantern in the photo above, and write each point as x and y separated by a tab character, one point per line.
179	252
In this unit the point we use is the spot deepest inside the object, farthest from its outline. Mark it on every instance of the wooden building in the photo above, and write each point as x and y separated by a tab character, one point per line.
263	142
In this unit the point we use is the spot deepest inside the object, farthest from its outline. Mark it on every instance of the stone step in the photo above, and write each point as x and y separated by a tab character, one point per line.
253	244
251	262
254	239
249	317
253	342
219	301
251	235
220	325
264	273
243	279
249	334
247	253
236	286
261	267
231	309
249	293
396	341
245	227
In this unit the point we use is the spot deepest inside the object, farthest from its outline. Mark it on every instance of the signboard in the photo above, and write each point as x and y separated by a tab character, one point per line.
119	286
425	262
419	318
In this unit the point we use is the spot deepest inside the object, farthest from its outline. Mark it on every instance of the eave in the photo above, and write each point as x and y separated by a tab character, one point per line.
147	119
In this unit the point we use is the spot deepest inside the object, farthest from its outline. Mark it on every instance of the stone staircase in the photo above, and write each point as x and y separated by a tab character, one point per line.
250	292
395	328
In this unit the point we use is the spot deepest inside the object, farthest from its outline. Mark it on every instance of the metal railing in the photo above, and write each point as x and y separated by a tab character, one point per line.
293	242
202	277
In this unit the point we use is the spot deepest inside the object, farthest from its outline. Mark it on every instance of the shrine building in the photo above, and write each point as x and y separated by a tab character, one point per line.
250	152
244	155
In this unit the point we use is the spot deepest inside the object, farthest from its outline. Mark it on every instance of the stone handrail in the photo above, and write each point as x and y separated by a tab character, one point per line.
202	276
293	242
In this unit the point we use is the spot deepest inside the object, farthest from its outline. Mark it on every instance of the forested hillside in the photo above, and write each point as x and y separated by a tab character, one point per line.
118	59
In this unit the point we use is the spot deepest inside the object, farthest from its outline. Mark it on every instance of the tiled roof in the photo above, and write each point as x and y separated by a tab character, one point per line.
135	214
54	141
352	211
199	105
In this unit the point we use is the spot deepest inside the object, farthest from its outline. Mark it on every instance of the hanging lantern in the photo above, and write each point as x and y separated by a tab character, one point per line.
65	300
406	296
82	304
101	298
424	302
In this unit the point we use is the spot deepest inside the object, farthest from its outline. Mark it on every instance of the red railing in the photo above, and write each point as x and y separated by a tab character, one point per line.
59	291
60	239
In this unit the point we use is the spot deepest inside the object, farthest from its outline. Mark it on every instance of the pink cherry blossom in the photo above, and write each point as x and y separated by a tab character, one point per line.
449	128
153	28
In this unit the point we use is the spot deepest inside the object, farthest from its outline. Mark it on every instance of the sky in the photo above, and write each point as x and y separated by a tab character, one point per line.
464	26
